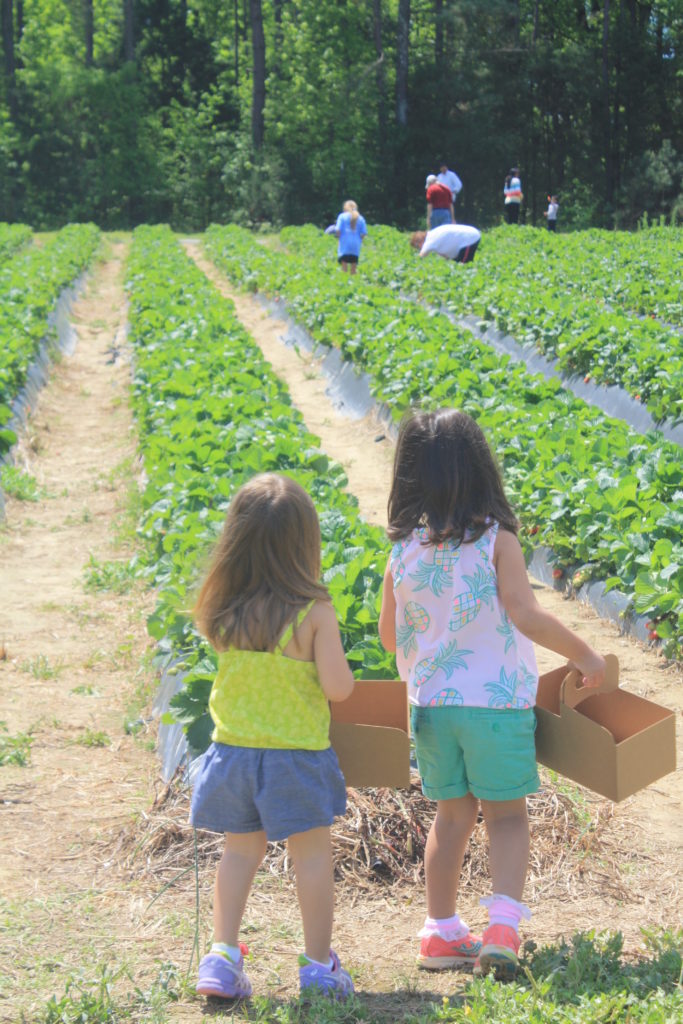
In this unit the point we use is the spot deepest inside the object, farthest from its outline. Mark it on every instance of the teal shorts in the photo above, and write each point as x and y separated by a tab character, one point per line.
484	751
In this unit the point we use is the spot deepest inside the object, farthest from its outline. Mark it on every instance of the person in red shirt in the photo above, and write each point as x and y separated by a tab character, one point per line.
439	204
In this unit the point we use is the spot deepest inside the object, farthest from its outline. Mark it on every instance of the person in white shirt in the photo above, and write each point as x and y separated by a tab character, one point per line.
448	178
452	241
551	212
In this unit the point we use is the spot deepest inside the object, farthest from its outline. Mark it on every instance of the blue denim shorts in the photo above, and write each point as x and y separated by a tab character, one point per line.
279	792
439	217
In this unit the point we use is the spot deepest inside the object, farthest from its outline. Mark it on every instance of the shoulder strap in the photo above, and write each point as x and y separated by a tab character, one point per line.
287	635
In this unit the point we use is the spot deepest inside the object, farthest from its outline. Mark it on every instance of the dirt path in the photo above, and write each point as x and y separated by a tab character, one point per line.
72	671
79	897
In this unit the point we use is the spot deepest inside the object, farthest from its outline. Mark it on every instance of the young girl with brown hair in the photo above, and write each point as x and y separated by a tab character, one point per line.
458	609
270	773
350	229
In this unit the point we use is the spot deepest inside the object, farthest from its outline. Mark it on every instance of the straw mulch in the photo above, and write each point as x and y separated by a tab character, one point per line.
380	842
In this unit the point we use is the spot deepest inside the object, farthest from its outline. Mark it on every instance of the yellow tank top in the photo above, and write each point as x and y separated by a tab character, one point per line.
259	699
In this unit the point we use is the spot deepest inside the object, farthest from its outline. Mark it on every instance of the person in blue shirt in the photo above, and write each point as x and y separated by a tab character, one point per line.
350	229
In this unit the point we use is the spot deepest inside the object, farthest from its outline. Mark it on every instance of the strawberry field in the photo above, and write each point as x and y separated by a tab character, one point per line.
31	279
598	499
604	498
211	414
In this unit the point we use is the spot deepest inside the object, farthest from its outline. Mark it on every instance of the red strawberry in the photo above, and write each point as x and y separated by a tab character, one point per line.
558	574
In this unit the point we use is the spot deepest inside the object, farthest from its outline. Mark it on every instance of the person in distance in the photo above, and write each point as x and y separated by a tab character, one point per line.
456	242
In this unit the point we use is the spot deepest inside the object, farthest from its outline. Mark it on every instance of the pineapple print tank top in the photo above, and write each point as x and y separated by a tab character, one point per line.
263	699
455	644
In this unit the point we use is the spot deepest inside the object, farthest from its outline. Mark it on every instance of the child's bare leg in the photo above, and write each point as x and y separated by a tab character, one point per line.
352	268
241	858
314	868
507	824
445	850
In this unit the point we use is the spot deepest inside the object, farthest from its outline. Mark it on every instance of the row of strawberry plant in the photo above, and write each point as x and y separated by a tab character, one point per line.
211	414
632	272
523	284
629	273
604	498
30	285
636	272
12	237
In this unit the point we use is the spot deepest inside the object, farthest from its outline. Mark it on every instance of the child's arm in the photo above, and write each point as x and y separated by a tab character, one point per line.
336	678
520	603
387	616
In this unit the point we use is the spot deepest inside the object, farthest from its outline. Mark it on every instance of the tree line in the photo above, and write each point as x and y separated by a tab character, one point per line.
276	111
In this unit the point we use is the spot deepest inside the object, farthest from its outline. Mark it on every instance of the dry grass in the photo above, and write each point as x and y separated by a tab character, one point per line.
379	844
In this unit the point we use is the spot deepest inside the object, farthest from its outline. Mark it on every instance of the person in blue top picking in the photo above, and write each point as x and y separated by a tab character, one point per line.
350	229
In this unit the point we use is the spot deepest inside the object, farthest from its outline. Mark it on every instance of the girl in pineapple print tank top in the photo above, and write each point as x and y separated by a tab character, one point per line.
458	609
455	644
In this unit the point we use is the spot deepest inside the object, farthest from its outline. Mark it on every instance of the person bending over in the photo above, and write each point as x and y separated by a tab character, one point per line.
457	242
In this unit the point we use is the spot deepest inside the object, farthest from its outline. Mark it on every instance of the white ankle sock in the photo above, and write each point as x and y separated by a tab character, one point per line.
233	953
504	910
447	927
320	963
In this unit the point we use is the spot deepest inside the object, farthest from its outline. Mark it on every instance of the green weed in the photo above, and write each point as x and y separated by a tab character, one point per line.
118	577
91	738
592	963
132	727
95	1000
40	667
94	659
84	517
14	749
20	485
577	797
129	507
84	690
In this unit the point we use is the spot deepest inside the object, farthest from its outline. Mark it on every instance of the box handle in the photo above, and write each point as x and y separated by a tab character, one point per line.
572	691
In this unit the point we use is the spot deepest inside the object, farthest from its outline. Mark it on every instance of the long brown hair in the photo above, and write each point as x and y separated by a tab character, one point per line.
445	478
265	567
